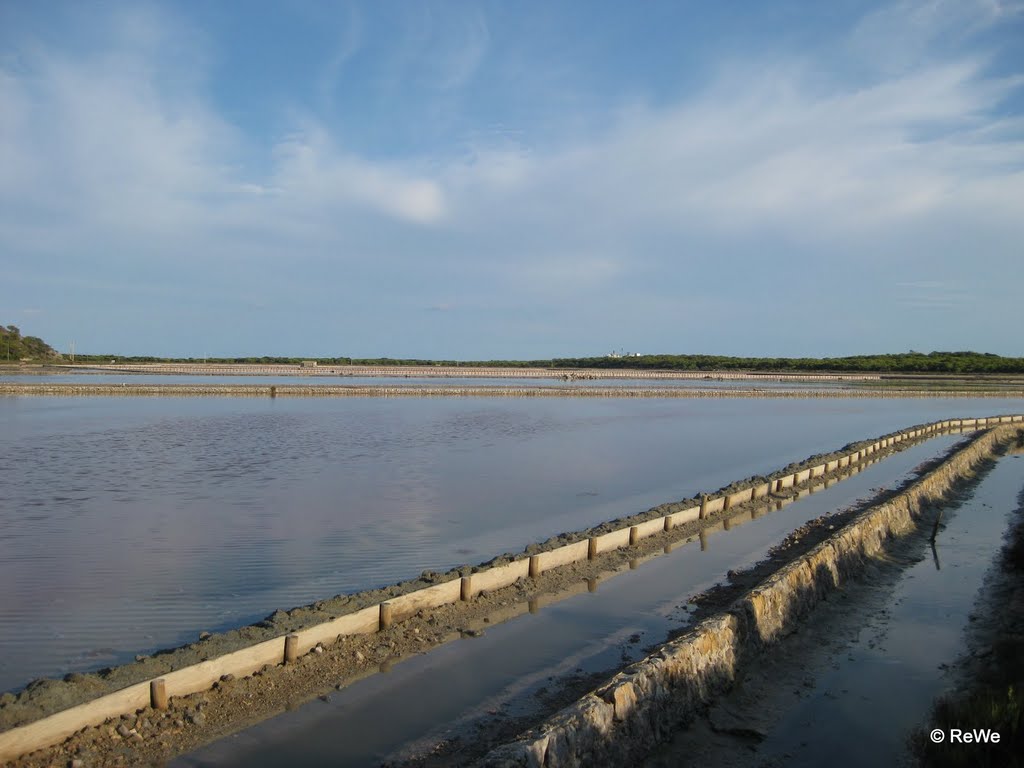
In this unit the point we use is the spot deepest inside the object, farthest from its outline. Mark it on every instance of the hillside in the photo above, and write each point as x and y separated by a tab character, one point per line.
14	347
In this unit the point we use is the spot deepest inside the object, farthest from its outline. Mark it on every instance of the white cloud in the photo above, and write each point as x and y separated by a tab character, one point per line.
123	152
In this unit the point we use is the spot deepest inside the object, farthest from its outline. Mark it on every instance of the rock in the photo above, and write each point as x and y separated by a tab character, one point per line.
123	731
141	657
360	657
197	718
204	635
227	678
318	649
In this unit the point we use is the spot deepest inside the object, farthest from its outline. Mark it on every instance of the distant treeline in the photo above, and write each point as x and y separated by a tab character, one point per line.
909	362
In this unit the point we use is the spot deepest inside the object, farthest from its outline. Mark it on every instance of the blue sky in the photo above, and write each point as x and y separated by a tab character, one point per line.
481	180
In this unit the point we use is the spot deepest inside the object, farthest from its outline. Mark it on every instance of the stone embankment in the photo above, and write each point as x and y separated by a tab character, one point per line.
640	706
146	686
301	390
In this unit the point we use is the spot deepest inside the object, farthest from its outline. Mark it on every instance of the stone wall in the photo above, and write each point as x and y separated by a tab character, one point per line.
640	706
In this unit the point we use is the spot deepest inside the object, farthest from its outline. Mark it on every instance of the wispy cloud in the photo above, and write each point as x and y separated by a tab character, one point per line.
117	157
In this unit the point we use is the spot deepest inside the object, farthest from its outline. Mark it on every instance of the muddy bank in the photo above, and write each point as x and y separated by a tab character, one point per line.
299	390
44	697
989	677
341	661
620	721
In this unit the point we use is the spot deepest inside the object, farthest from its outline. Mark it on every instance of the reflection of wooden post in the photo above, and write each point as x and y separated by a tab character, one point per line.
386	615
291	648
634	564
727	523
592	548
533	605
591	585
158	693
703	506
703	541
634	536
466	592
534	566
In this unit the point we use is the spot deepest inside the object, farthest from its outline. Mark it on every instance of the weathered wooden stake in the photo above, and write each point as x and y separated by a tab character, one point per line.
703	506
466	589
158	693
634	536
935	528
386	615
534	566
669	523
592	548
291	648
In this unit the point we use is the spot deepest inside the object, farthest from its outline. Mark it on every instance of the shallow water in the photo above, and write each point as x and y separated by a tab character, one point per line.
321	380
384	718
862	709
131	524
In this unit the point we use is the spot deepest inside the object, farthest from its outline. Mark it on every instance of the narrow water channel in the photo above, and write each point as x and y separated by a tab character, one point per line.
865	702
441	694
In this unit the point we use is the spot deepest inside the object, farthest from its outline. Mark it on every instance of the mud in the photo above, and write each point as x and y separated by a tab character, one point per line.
151	737
45	696
618	722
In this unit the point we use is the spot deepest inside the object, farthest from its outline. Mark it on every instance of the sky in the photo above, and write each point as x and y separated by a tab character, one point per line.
500	180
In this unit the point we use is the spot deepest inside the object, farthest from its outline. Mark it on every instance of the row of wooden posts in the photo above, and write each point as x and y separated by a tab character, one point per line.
49	730
387	616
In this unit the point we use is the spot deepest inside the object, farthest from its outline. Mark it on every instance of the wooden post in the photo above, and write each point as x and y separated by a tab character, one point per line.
158	693
291	648
386	615
534	566
668	522
727	503
466	593
592	548
634	536
703	506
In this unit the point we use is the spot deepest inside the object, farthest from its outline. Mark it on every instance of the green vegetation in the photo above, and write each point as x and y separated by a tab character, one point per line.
909	362
1000	710
14	347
